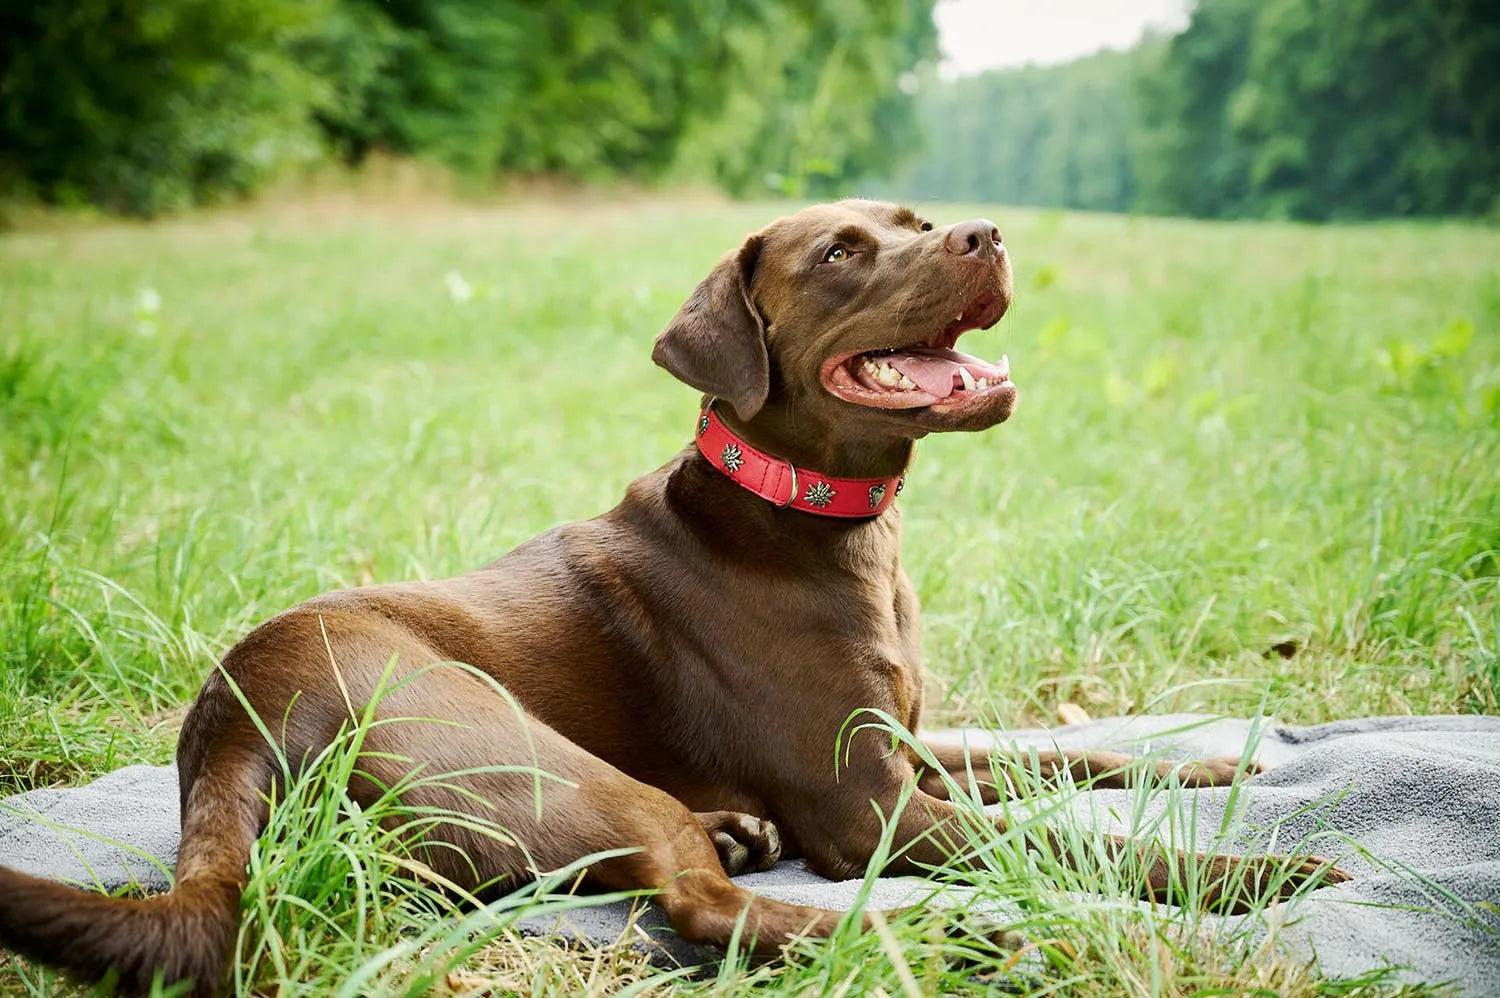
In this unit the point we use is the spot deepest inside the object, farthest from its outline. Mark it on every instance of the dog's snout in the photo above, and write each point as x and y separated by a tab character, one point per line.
978	236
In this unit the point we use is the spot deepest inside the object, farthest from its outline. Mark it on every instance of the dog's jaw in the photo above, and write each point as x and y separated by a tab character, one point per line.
929	374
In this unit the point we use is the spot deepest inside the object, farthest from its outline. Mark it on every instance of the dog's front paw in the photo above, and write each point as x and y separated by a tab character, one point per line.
745	843
1246	881
1219	772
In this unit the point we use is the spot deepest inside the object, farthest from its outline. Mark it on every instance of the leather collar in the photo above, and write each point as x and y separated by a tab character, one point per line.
783	484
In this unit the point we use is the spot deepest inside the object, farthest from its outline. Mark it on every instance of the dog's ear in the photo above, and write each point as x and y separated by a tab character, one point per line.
717	341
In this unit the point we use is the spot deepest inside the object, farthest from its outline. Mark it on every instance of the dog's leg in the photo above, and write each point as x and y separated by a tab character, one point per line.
1097	768
1229	884
931	832
554	804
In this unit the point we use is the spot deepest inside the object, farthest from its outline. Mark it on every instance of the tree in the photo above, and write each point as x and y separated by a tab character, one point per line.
1045	136
143	105
1192	160
1306	109
1388	108
814	95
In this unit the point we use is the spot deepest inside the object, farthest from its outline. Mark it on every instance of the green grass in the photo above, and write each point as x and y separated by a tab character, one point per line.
1232	439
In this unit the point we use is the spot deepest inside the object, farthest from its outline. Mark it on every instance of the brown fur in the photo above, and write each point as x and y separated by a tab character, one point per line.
686	659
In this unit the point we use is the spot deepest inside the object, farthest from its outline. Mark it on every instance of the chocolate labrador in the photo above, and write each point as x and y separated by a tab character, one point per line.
685	663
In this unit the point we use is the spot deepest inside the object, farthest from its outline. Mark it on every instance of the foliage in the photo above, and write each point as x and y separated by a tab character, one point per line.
1191	158
1310	109
1394	108
815	96
1316	110
144	106
586	90
1033	136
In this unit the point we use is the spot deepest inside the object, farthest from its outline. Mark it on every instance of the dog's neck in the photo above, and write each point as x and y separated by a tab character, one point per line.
795	437
800	480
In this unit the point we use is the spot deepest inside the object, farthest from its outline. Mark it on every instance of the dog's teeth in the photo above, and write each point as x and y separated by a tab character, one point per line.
1004	365
983	383
966	377
887	375
906	383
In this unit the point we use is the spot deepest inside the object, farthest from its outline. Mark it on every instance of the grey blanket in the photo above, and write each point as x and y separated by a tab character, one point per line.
1414	803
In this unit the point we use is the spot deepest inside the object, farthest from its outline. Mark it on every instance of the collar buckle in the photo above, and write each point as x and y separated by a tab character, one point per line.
791	496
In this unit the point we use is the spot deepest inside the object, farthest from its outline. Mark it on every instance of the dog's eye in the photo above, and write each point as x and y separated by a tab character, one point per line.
836	255
926	226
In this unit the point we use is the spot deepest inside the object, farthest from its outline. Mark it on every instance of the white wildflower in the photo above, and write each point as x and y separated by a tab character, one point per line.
458	289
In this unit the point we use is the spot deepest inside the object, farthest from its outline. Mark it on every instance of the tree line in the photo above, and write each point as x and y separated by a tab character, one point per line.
1307	109
147	105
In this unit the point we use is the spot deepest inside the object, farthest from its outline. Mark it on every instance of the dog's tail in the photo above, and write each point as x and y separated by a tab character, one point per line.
183	935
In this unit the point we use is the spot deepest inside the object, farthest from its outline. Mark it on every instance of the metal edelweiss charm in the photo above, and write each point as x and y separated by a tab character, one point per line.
819	494
877	493
732	458
900	484
702	424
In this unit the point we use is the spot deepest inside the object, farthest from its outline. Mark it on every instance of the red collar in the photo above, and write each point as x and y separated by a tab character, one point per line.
786	485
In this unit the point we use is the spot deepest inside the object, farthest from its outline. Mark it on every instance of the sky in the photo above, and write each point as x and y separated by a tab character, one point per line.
976	35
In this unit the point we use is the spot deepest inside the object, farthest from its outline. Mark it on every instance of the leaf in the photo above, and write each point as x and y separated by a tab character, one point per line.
1160	374
1205	403
1454	340
1400	359
1117	391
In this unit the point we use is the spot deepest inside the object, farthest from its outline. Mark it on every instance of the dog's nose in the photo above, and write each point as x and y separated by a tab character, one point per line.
977	235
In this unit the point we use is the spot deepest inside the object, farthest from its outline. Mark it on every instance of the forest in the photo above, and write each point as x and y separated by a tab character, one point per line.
1307	109
142	106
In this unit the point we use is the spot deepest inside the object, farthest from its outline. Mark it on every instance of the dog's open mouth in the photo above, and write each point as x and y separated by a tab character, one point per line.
928	373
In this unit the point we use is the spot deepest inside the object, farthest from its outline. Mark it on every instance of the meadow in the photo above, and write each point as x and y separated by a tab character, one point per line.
1255	467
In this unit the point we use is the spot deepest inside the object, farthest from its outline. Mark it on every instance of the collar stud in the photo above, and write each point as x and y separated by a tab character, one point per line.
783	483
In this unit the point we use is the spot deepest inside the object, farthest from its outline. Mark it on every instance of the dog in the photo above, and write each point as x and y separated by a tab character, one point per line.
686	663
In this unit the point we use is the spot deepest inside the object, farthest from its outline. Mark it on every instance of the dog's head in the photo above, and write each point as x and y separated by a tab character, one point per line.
842	319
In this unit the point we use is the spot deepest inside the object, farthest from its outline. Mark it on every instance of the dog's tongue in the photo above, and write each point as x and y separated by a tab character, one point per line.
933	374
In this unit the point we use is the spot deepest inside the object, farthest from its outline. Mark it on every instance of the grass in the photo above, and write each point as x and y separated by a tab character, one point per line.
1253	464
